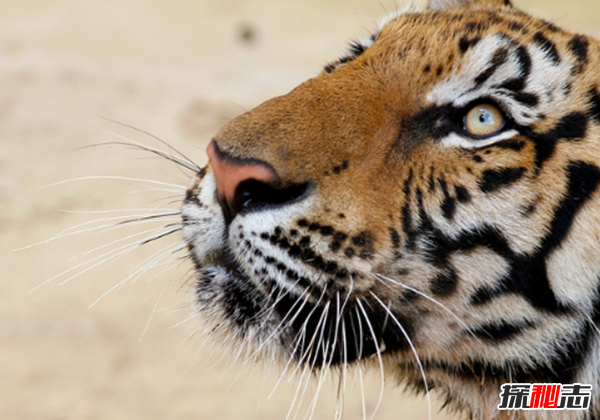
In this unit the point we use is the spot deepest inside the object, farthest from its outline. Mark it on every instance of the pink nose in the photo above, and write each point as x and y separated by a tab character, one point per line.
231	173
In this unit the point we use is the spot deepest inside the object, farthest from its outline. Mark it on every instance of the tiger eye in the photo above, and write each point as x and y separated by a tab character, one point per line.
483	120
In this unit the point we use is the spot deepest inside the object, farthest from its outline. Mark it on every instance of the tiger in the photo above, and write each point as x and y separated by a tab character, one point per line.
427	205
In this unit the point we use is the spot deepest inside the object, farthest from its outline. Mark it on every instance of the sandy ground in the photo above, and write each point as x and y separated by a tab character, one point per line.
177	69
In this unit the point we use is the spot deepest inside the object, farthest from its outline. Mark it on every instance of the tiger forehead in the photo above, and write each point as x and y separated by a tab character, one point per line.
442	38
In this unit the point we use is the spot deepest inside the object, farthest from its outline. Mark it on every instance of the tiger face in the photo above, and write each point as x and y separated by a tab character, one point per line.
429	201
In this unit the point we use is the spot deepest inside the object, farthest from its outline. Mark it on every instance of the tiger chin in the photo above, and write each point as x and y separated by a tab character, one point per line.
429	204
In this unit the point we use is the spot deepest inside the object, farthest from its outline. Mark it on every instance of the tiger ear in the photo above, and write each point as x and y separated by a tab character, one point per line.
448	4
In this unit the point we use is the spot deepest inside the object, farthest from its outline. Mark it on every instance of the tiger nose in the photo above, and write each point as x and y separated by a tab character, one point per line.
241	183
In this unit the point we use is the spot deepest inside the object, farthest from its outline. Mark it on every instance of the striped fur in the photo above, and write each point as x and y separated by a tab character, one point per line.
409	237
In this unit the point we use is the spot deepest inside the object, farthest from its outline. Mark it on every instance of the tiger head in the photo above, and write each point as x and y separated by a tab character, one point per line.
429	202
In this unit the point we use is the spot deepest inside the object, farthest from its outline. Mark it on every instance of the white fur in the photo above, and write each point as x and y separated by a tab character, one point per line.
206	224
456	140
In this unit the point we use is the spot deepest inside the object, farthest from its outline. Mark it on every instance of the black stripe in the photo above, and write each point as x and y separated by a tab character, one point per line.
516	145
514	84
425	223
550	26
448	206
528	278
465	43
571	127
445	283
528	274
431	179
480	26
562	366
462	194
583	181
579	46
395	237
528	209
524	62
594	105
494	179
440	247
364	240
516	26
527	99
500	331
517	84
499	58
407	221
548	47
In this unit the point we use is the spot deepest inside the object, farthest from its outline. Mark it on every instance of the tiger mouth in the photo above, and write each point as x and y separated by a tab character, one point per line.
288	311
320	334
224	283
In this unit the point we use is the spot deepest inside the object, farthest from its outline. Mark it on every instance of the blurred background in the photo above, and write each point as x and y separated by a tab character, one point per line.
75	73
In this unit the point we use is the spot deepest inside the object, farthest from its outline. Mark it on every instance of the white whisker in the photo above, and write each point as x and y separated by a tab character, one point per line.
114	177
362	390
296	346
305	359
130	143
155	260
152	136
412	347
325	367
75	230
305	324
593	324
118	241
378	355
284	323
381	278
163	254
136	210
341	392
111	256
295	401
